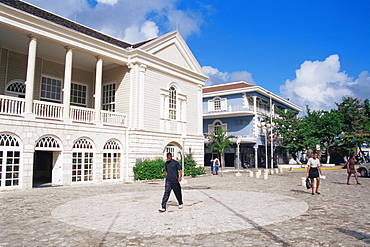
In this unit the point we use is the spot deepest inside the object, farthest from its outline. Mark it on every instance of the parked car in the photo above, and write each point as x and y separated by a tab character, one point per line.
364	170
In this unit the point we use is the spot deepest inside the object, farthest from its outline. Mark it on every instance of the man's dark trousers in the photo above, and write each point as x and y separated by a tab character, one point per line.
167	191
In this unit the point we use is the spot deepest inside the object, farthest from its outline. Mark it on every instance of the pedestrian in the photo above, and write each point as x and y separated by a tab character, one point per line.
173	179
351	169
216	165
211	164
313	169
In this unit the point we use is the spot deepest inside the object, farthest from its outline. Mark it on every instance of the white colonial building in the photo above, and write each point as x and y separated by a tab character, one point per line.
78	106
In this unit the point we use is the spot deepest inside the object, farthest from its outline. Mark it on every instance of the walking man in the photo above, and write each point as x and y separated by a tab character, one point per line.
173	179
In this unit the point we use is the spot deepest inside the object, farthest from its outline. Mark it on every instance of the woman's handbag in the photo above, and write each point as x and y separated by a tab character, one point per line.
308	183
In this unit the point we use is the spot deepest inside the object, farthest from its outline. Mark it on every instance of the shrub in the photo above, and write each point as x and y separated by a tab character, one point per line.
156	169
150	169
190	166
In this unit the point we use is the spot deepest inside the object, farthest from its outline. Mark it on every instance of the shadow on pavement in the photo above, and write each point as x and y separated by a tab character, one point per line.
358	235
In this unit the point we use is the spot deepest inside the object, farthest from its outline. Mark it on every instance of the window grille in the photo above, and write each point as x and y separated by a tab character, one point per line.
47	142
51	89
172	103
108	99
111	160
82	161
16	88
78	94
10	161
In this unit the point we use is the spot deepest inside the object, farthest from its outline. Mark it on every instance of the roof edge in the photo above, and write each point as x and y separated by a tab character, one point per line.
59	20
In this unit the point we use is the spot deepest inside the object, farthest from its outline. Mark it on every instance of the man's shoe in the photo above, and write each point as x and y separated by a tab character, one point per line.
162	210
181	206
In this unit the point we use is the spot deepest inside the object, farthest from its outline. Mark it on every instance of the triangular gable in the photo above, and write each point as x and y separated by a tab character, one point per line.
173	48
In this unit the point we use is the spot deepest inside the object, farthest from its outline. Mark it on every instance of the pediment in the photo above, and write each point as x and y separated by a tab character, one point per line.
172	48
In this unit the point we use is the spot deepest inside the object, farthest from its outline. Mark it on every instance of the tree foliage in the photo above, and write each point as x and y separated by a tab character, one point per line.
347	127
355	118
219	142
190	166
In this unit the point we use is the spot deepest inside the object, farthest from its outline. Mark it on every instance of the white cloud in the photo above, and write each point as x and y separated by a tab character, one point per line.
132	21
319	84
147	31
187	22
109	2
218	77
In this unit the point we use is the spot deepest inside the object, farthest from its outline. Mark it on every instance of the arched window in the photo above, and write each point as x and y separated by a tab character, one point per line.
10	161
16	88
172	103
112	160
48	143
82	160
216	124
217	104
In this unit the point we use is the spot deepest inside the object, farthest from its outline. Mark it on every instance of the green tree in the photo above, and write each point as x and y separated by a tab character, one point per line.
219	142
190	166
322	127
354	116
290	130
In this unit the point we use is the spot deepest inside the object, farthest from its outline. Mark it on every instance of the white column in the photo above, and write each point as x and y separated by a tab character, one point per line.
67	83
130	66
200	110
255	104
98	88
30	77
141	95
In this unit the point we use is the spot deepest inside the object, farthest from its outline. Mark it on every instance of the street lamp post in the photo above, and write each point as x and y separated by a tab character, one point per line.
238	156
265	128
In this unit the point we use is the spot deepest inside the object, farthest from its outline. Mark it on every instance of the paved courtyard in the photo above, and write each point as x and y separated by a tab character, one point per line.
218	211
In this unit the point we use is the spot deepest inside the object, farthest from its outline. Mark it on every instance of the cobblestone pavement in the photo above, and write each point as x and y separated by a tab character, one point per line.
218	211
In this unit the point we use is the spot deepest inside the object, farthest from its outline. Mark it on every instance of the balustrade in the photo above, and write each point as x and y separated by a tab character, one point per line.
49	110
44	109
113	118
11	105
81	114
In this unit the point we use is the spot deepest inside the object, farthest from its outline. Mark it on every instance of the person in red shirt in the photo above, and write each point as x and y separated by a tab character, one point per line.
351	169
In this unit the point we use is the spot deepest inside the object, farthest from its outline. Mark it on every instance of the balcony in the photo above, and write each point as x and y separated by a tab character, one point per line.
235	111
47	110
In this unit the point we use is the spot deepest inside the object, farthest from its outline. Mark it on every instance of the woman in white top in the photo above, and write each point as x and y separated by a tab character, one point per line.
313	170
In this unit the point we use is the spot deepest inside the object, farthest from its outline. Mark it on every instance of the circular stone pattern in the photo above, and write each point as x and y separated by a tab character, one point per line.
204	211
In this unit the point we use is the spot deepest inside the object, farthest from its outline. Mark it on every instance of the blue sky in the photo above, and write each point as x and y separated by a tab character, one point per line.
311	51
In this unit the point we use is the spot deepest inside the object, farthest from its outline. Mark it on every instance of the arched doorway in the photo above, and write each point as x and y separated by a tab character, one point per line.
175	149
112	159
47	163
83	160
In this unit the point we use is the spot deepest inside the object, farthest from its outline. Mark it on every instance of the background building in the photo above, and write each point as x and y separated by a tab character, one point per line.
241	108
78	106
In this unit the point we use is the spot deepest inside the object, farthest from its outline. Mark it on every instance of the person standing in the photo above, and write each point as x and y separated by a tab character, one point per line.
351	169
313	169
216	165
211	164
173	179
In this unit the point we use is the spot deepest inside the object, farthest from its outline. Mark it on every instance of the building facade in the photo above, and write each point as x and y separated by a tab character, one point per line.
78	106
242	109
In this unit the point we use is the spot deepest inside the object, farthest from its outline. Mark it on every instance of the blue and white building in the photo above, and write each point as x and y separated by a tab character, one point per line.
241	109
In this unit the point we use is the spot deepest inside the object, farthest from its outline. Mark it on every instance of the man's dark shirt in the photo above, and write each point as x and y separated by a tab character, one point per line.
172	169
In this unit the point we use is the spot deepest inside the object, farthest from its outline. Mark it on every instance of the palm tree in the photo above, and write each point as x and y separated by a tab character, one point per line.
219	142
